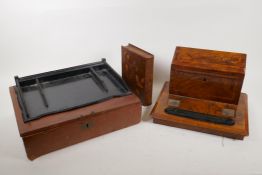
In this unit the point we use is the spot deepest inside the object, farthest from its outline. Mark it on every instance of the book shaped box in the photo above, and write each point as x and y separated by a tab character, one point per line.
137	72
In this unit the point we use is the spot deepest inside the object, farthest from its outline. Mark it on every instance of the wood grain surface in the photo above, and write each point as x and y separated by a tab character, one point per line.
207	74
63	129
137	71
237	131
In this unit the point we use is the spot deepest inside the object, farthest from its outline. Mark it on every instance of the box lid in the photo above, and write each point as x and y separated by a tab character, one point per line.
209	60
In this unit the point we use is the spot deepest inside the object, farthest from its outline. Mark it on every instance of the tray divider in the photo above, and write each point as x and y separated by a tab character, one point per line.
114	81
98	80
40	89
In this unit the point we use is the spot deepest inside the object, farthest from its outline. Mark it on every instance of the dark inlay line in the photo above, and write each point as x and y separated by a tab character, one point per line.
39	87
98	81
199	116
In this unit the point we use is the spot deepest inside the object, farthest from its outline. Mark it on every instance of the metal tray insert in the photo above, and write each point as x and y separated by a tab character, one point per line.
65	89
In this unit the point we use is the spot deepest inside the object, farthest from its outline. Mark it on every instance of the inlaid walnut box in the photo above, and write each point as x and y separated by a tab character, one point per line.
204	93
207	74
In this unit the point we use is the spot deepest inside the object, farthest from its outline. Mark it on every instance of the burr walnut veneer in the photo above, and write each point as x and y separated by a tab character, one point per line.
207	74
204	93
236	131
207	81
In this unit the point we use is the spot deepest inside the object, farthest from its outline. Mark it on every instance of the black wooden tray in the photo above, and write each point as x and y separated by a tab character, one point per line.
65	89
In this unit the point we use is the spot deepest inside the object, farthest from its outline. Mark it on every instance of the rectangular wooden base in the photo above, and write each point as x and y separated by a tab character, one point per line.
237	131
63	129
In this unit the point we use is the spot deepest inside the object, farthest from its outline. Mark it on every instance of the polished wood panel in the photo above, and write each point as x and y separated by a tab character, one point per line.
208	107
207	74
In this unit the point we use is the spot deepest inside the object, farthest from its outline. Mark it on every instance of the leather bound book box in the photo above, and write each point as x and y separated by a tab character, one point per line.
137	71
64	107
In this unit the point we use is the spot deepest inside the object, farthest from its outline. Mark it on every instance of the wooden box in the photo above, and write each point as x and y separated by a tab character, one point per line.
207	74
137	71
59	130
204	93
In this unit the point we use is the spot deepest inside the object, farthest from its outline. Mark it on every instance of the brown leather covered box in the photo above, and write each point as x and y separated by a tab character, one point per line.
207	74
59	130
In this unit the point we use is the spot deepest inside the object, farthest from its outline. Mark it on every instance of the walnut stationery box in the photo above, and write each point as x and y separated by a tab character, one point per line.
204	93
207	74
63	107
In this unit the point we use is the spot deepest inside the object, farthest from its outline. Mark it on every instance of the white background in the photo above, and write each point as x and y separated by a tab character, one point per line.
38	36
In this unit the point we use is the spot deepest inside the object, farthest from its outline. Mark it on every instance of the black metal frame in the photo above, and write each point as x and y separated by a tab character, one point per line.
88	70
